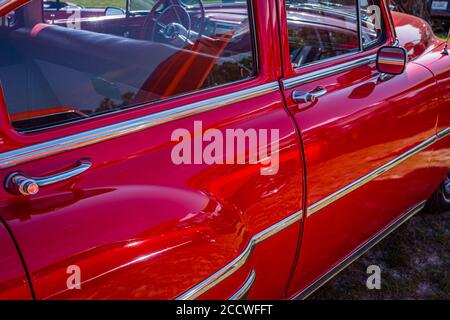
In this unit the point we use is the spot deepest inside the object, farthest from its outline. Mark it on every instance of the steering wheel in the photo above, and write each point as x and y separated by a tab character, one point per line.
173	25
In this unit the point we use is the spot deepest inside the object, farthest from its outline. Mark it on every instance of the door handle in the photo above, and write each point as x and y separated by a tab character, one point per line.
305	97
19	183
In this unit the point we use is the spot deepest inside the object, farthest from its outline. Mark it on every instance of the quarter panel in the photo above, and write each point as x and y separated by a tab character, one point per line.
439	64
13	280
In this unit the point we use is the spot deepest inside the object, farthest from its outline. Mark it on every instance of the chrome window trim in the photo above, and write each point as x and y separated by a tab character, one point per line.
244	290
389	18
360	30
139	106
358	253
443	133
312	76
240	260
49	148
375	173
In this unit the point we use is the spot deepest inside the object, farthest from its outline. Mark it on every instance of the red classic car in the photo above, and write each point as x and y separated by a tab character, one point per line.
189	149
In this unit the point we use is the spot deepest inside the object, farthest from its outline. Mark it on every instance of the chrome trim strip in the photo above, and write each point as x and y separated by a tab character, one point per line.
358	253
360	26
240	260
369	177
243	291
53	147
443	133
312	76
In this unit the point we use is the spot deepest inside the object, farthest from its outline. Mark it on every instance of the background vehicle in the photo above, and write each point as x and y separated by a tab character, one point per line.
440	13
90	104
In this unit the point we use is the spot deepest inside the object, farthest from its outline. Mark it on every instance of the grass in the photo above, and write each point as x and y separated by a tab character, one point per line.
100	3
442	36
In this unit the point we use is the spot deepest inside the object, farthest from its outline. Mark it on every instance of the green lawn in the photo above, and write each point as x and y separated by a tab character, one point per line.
442	36
121	3
100	3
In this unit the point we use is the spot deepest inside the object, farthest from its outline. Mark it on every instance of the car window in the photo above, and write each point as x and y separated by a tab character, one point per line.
320	30
372	28
324	29
83	58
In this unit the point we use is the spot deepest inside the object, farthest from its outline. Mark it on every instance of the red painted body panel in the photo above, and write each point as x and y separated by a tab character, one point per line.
361	124
13	281
141	227
439	63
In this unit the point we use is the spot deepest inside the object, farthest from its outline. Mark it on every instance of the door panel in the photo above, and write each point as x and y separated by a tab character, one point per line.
139	226
361	124
13	280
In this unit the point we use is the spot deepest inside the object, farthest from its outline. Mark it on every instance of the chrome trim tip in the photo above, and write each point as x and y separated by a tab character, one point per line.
244	290
240	260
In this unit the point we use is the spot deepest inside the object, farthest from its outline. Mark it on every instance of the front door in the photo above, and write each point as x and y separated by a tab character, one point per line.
364	134
143	169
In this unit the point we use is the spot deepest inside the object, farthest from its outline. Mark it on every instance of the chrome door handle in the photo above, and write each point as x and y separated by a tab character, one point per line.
19	183
304	97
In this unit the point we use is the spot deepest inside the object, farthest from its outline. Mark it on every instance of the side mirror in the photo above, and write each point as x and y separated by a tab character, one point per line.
392	60
113	11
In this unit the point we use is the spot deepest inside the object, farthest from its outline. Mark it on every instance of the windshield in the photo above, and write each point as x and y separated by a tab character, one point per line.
142	5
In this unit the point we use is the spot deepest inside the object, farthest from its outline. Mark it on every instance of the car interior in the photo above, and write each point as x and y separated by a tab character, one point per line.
50	69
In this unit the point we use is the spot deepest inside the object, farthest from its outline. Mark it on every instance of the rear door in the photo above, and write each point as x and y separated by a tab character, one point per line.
150	191
366	137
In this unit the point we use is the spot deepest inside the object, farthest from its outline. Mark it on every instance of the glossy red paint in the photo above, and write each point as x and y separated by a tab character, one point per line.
13	280
140	227
438	62
361	124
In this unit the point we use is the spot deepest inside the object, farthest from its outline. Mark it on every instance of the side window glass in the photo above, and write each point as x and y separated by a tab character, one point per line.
320	30
69	60
372	23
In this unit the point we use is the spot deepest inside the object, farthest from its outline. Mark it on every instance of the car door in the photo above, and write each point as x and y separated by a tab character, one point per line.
366	136
107	189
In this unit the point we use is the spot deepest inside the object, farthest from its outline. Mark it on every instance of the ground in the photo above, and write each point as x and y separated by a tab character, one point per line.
414	262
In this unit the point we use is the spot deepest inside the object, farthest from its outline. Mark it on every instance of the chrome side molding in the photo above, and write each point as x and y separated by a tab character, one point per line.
358	253
443	133
244	290
374	174
240	260
53	147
